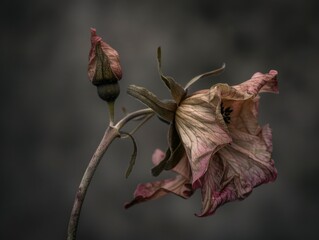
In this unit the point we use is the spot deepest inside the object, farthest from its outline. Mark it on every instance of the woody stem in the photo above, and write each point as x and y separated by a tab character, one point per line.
110	134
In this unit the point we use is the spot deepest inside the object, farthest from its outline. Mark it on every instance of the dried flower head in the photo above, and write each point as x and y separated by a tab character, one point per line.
215	141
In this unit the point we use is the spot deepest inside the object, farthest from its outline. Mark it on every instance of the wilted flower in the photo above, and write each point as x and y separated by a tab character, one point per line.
214	133
104	68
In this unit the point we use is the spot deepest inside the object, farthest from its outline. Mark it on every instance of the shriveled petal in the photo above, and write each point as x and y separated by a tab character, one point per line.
202	131
245	163
243	100
237	168
182	167
112	57
260	82
244	115
180	185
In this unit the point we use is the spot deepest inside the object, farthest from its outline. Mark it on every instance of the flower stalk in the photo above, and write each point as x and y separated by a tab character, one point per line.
110	134
110	106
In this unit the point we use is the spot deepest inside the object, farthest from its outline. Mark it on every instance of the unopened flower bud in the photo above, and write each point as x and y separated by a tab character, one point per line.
104	68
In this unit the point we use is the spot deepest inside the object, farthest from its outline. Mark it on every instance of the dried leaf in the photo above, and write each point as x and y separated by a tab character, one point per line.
177	91
165	109
133	157
207	74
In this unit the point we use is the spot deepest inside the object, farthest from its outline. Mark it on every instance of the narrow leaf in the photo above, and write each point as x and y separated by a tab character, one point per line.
174	153
177	91
165	109
176	148
133	157
173	137
175	157
207	74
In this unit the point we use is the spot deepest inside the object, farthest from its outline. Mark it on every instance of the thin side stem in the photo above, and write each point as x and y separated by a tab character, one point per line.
133	115
144	120
111	133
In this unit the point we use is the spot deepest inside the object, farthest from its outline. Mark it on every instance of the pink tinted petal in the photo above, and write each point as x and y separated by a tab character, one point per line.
182	167
213	192
112	55
92	61
227	92
257	148
237	169
151	191
244	107
243	99
180	185
202	131
113	58
157	156
266	135
260	82
244	115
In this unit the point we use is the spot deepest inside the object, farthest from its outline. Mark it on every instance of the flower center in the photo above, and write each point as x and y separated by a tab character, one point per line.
225	113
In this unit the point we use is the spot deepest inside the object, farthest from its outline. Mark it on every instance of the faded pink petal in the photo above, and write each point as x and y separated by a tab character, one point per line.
243	99
260	82
227	152
180	185
244	115
110	53
182	168
157	156
237	168
227	172
202	131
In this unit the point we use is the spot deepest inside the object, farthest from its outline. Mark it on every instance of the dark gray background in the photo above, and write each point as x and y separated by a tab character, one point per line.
52	119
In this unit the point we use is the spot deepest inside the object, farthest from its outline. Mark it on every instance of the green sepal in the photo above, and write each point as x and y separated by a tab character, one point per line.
165	109
134	154
177	91
207	74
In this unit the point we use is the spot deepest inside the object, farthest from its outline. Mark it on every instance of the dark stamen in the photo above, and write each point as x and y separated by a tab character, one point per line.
225	113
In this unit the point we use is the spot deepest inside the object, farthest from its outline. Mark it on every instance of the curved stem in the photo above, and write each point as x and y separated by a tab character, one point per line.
143	120
133	115
110	134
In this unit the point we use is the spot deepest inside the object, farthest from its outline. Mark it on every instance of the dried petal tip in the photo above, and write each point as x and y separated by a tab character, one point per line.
104	63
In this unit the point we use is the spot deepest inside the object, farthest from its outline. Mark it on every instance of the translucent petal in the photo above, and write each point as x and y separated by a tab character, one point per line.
202	131
237	168
180	185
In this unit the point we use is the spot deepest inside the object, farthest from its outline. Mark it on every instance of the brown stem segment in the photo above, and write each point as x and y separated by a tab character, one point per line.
111	133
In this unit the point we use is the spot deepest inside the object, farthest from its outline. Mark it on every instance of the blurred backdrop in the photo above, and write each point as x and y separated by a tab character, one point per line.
52	119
